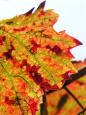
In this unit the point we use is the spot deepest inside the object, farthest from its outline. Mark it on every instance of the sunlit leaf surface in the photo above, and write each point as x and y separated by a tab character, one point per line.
33	58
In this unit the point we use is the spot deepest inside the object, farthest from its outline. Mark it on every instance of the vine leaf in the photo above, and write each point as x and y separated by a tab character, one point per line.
33	58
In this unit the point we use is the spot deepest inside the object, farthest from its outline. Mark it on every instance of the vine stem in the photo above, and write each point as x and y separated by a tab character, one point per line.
43	107
73	96
82	112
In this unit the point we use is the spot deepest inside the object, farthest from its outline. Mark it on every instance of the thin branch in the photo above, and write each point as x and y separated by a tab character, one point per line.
75	98
43	109
82	112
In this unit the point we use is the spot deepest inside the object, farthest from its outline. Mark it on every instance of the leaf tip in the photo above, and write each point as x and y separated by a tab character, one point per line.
29	12
42	5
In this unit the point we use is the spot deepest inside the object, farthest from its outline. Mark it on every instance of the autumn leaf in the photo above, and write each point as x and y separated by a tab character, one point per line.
33	58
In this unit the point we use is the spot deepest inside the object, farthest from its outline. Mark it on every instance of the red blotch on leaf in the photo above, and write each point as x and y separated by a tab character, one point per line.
35	75
35	46
9	101
42	13
24	63
16	63
9	52
34	68
19	29
2	38
47	87
33	106
55	49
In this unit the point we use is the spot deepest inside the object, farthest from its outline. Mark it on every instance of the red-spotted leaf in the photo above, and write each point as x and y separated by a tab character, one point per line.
33	58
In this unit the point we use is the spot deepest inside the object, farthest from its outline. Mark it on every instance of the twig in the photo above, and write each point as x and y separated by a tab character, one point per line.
75	98
82	112
43	109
